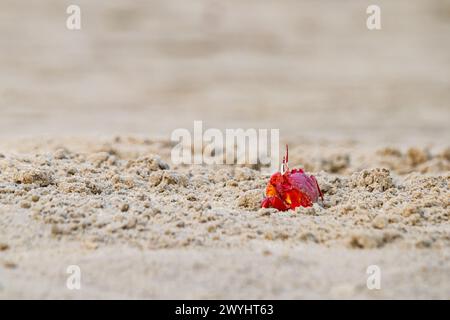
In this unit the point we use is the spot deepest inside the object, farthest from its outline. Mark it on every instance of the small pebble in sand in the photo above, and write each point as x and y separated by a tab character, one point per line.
131	223
152	163
9	265
40	177
266	212
98	158
155	178
4	246
380	222
409	211
56	230
191	197
25	205
60	154
174	178
125	207
364	240
90	245
308	237
181	224
35	198
417	156
231	183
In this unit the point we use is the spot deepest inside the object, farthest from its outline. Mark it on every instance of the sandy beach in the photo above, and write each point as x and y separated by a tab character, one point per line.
87	179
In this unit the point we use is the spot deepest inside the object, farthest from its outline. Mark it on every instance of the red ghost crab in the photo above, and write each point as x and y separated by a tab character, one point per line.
290	189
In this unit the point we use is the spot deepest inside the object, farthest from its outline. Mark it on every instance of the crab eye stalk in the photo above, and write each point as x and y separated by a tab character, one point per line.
284	165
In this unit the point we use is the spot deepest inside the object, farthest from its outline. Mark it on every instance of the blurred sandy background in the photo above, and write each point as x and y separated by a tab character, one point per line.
310	68
93	105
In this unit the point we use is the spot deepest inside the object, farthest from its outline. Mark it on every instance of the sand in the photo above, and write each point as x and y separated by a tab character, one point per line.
86	177
139	227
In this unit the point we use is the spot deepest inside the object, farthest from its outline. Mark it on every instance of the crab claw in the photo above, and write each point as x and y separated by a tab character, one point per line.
274	202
